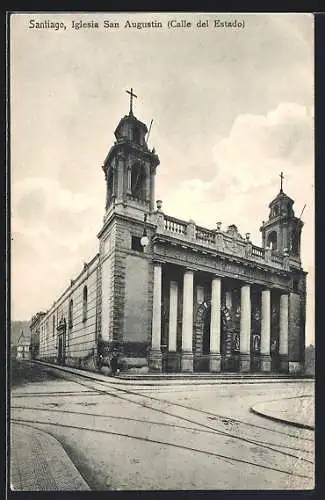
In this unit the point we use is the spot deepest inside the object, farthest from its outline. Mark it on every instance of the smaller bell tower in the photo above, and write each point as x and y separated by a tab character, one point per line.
282	231
130	168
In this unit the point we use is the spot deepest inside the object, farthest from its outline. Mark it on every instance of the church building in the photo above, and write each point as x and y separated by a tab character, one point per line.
173	296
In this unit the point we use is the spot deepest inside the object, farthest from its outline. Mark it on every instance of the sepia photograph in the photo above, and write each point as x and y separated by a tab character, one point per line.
162	329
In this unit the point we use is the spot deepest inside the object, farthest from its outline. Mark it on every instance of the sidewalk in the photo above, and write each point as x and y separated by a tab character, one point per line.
298	411
39	463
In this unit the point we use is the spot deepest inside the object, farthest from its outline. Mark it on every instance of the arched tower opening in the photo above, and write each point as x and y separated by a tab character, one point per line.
138	181
272	240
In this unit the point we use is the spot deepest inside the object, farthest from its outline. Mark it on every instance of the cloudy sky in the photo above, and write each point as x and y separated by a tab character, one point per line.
231	109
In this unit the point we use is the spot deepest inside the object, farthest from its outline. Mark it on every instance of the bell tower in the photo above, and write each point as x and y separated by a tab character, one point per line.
130	168
282	231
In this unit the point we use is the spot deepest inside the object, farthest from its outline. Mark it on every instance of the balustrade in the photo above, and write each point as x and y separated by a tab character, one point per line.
206	236
277	258
174	225
258	252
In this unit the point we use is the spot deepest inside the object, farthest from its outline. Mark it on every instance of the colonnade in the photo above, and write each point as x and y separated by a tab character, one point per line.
215	325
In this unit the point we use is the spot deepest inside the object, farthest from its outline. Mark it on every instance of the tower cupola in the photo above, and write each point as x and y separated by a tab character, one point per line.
130	167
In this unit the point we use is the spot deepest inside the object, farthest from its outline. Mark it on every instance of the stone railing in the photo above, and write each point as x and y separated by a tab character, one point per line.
222	241
278	259
258	252
174	225
205	235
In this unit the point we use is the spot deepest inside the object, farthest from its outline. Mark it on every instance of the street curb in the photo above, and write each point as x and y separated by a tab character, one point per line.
281	420
64	472
173	382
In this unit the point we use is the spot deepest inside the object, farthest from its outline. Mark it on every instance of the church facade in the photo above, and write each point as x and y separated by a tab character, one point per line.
174	296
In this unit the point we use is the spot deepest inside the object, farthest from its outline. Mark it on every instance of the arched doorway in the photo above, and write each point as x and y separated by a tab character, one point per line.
206	331
201	337
61	342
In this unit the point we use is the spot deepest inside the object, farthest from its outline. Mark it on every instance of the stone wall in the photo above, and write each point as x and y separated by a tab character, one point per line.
295	347
107	297
118	287
136	321
81	335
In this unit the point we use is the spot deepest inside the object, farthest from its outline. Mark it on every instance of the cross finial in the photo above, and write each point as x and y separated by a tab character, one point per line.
131	99
281	177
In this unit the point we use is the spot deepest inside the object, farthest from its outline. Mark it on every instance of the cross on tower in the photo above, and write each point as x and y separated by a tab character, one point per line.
281	177
131	99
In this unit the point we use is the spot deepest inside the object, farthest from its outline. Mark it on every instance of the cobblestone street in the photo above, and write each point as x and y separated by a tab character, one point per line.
101	433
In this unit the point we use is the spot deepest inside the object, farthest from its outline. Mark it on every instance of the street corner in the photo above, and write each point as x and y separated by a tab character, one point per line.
298	411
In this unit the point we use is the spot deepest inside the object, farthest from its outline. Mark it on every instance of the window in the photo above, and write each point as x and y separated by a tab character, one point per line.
53	325
71	313
294	237
136	244
84	303
275	210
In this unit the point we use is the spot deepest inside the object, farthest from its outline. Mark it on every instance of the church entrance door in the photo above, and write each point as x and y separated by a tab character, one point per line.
61	349
206	332
202	337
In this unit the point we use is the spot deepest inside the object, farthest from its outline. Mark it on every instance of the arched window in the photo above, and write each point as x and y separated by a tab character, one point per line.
138	181
84	303
275	210
53	324
294	239
71	313
272	240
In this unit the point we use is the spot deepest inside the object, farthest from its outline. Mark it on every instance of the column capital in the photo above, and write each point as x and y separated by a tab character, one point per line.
216	276
158	262
188	269
246	284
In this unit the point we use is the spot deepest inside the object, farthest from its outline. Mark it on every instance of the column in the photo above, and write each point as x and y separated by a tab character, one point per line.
120	178
152	191
129	179
147	184
215	326
173	357
187	322
227	361
266	331
245	328
284	330
155	353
